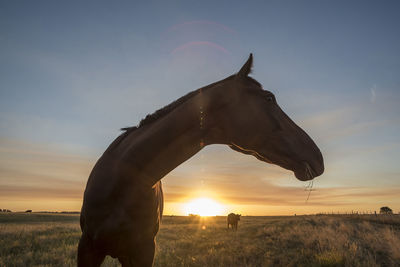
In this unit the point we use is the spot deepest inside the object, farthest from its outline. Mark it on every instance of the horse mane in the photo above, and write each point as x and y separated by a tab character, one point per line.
170	107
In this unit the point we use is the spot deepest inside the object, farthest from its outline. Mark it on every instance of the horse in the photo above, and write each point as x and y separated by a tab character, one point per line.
233	220
123	200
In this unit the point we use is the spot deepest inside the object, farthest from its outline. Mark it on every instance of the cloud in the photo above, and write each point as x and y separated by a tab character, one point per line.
29	128
373	94
40	192
341	123
31	171
52	174
263	193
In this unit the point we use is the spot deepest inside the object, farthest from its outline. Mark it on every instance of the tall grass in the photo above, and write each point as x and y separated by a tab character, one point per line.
28	244
51	240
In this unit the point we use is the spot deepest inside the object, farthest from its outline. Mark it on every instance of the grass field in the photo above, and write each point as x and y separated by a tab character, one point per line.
358	240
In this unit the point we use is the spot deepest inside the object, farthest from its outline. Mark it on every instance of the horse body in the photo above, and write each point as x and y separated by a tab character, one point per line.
123	201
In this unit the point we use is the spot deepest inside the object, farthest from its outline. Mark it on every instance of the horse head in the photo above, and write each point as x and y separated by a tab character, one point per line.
254	124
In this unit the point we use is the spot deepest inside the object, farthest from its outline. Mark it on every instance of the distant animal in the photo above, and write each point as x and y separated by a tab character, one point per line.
123	200
233	220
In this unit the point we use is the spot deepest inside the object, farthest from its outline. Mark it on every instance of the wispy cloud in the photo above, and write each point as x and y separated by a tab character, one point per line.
343	122
42	192
31	171
41	172
270	195
372	97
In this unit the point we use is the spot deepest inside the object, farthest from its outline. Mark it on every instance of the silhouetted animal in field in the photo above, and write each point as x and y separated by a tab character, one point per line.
123	199
233	220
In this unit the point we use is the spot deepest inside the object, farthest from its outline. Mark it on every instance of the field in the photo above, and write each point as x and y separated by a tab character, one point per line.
357	240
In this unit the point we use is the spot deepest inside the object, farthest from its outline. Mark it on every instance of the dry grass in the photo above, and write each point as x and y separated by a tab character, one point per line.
51	240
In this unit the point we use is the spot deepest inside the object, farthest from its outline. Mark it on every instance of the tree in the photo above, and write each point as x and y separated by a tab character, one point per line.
386	210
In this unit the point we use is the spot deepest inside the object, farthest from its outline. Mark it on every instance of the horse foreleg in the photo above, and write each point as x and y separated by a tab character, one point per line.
142	255
87	254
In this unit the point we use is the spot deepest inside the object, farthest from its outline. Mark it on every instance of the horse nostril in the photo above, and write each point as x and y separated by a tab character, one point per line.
318	167
309	172
312	169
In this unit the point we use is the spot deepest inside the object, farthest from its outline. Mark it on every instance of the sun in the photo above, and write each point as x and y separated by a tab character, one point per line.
204	207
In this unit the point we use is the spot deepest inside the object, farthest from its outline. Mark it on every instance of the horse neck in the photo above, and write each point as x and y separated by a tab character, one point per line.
161	146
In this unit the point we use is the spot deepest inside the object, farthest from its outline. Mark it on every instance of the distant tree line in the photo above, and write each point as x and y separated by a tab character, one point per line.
5	210
386	210
29	211
383	210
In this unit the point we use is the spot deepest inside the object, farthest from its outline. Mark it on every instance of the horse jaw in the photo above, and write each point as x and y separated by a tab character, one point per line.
302	170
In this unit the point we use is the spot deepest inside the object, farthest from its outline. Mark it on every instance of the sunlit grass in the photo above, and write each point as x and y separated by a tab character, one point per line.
51	240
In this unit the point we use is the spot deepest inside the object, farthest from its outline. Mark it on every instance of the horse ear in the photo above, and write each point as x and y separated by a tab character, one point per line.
246	69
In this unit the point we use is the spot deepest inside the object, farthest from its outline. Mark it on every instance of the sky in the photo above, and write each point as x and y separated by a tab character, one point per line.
73	73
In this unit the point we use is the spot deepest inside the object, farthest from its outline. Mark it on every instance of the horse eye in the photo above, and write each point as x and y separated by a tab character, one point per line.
270	98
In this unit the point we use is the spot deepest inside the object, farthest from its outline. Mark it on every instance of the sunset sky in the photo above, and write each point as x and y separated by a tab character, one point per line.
73	73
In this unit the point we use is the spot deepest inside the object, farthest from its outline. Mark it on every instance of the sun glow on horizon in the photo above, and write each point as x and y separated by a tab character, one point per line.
204	207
